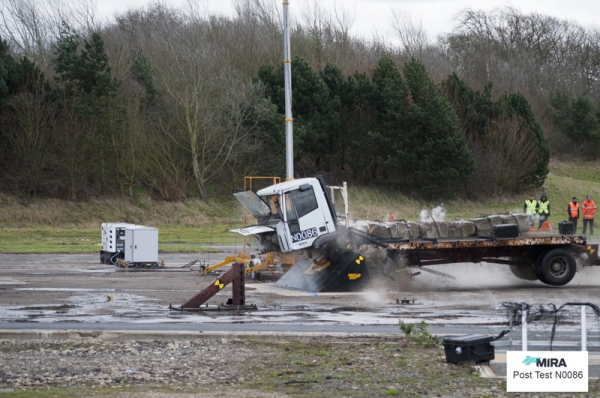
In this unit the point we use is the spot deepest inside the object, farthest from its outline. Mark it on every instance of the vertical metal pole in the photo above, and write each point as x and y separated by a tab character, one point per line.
287	69
524	329
583	329
510	339
345	196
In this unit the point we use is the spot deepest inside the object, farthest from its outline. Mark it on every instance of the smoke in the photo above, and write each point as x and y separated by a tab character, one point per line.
437	214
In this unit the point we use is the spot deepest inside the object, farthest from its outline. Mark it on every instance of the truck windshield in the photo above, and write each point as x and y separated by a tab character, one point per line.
254	204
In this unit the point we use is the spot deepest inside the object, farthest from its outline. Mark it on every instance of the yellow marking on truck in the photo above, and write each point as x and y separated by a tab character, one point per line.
317	265
590	249
219	284
359	259
353	277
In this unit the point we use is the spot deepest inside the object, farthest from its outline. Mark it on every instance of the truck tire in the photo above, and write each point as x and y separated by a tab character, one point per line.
538	266
558	267
525	272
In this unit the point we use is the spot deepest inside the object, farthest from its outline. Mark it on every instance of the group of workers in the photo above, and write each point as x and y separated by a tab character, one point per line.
541	209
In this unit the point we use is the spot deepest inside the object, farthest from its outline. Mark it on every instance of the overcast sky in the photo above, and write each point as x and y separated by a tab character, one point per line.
370	15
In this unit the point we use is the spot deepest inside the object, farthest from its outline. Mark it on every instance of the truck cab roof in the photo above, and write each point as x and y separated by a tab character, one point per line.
277	189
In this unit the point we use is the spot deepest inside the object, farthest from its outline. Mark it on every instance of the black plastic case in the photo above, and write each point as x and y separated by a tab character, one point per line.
566	228
469	348
506	231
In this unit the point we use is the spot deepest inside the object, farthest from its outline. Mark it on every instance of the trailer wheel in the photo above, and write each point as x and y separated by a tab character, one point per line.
525	272
538	266
558	267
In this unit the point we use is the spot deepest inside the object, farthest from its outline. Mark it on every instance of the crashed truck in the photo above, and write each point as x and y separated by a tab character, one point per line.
336	254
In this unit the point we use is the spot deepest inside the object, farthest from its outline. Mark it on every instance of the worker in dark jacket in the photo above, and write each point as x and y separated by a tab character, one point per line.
543	209
573	212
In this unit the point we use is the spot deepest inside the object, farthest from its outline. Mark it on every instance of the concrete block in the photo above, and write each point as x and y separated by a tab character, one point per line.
508	219
460	229
495	219
522	221
414	230
429	230
483	226
469	228
381	230
434	229
393	227
362	226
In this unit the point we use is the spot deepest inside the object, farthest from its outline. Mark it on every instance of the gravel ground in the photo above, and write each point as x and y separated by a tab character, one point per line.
317	367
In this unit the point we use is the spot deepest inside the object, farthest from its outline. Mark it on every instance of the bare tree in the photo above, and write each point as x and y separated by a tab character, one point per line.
27	128
505	155
412	36
31	26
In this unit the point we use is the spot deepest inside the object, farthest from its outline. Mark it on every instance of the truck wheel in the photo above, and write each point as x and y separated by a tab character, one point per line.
525	272
558	267
538	266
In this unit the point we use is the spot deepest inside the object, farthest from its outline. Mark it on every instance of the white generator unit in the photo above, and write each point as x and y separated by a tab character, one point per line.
141	244
113	241
136	244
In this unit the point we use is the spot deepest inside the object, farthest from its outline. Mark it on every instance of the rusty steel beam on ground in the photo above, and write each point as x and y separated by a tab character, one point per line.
235	275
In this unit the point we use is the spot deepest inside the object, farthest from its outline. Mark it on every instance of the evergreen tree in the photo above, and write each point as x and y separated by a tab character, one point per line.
334	148
486	123
313	117
578	119
360	123
87	88
416	143
141	70
515	106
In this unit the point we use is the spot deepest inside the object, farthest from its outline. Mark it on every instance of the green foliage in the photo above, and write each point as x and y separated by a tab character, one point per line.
507	126
141	69
578	119
6	64
391	128
516	106
419	334
85	74
316	118
427	153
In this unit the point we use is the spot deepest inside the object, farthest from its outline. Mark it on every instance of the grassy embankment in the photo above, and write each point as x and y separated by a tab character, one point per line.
56	226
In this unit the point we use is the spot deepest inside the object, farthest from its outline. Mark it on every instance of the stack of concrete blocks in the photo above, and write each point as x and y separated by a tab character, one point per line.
389	229
482	226
404	229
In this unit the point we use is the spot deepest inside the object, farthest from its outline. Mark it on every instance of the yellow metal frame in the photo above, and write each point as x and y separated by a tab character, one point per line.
245	257
238	258
248	218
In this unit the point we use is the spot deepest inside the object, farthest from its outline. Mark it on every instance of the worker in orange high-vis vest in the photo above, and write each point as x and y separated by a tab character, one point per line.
589	209
573	211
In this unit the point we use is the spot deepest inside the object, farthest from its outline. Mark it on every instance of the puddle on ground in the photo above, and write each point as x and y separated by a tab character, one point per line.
93	306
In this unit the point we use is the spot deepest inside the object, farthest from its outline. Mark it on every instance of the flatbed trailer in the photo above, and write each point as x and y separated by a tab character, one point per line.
546	256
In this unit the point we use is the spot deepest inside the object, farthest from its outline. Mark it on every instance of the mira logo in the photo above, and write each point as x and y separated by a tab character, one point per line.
545	362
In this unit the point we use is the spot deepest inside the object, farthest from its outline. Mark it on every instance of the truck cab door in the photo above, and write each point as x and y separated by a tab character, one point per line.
304	217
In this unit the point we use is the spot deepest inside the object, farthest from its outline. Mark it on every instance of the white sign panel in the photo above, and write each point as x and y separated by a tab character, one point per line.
547	371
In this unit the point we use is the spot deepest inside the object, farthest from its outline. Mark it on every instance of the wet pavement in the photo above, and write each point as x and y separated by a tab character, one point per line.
60	292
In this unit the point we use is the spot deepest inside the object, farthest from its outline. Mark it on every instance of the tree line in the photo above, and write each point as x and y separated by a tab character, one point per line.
178	102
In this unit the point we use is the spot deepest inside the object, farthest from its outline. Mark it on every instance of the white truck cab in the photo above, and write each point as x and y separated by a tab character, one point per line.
292	215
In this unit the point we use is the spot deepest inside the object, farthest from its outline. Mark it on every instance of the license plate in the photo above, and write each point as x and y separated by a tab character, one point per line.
304	235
